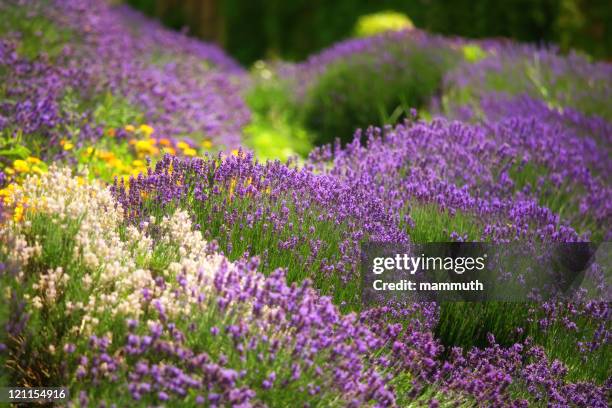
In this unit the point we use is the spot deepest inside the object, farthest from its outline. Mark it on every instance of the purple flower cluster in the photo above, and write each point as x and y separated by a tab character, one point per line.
366	194
184	88
182	85
270	343
570	146
236	200
254	319
544	73
487	373
451	165
34	95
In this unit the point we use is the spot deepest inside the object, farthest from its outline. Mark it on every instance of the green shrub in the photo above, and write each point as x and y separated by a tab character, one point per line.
370	89
376	23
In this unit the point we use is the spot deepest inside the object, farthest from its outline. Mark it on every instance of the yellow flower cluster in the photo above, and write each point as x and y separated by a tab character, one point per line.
114	163
31	165
10	201
148	146
19	170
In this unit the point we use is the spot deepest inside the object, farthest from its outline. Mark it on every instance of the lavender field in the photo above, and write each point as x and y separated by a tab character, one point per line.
178	230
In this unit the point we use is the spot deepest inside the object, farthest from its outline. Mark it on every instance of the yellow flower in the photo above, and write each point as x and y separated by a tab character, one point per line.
136	171
7	193
145	146
235	152
169	150
164	142
207	144
21	166
182	145
33	160
18	214
37	170
146	130
231	189
189	152
66	144
130	128
138	163
118	164
106	156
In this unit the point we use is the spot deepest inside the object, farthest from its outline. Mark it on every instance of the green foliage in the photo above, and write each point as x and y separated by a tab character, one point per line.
473	53
363	91
115	112
585	25
297	28
12	148
376	23
467	324
37	34
432	224
275	131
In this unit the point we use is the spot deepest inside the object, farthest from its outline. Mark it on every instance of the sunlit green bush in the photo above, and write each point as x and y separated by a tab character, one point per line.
377	23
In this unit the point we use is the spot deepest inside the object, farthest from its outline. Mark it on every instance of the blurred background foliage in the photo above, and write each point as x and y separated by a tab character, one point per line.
293	29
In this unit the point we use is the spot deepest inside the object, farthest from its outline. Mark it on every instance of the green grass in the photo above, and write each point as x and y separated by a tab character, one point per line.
432	224
38	34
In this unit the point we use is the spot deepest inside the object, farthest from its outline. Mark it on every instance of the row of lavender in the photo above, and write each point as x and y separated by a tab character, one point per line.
531	168
151	313
179	86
